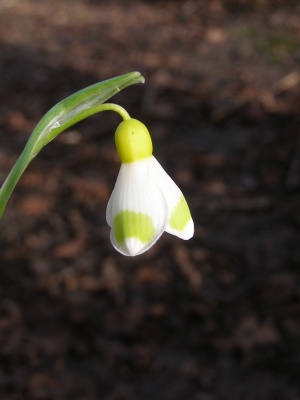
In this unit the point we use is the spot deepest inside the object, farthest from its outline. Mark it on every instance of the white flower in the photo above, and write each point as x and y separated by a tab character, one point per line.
145	201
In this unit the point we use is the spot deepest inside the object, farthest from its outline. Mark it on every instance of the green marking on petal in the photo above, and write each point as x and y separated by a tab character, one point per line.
180	216
129	224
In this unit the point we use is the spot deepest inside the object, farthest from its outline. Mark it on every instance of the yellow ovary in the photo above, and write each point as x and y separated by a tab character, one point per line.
133	141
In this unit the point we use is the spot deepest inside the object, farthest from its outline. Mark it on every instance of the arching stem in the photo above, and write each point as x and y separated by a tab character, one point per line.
66	113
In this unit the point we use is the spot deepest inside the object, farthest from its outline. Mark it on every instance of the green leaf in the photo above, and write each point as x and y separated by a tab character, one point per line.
66	113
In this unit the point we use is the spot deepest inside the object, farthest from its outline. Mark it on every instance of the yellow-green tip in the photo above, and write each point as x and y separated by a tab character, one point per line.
133	141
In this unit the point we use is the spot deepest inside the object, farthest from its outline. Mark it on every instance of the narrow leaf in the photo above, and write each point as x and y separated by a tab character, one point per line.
66	113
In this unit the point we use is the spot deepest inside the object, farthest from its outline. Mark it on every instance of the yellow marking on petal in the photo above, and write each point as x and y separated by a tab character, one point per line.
129	224
133	141
180	216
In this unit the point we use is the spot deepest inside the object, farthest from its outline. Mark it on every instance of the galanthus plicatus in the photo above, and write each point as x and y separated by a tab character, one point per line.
145	201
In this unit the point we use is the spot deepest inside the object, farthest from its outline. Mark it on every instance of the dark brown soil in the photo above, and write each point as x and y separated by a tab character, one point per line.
214	318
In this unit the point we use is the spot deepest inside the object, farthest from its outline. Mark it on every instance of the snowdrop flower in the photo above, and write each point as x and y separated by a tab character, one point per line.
145	201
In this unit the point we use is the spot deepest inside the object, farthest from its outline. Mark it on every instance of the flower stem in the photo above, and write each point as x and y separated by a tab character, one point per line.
66	113
116	108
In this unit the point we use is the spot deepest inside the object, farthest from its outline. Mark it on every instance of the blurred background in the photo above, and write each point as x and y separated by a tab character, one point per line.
214	318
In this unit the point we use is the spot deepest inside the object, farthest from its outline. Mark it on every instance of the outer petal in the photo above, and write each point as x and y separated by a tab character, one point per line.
180	222
136	211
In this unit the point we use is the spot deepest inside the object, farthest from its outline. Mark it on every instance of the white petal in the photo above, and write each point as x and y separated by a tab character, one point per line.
136	211
180	222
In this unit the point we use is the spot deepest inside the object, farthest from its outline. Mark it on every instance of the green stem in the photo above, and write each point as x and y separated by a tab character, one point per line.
66	113
116	108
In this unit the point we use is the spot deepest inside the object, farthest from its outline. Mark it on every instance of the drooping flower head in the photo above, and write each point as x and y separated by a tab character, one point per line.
145	201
